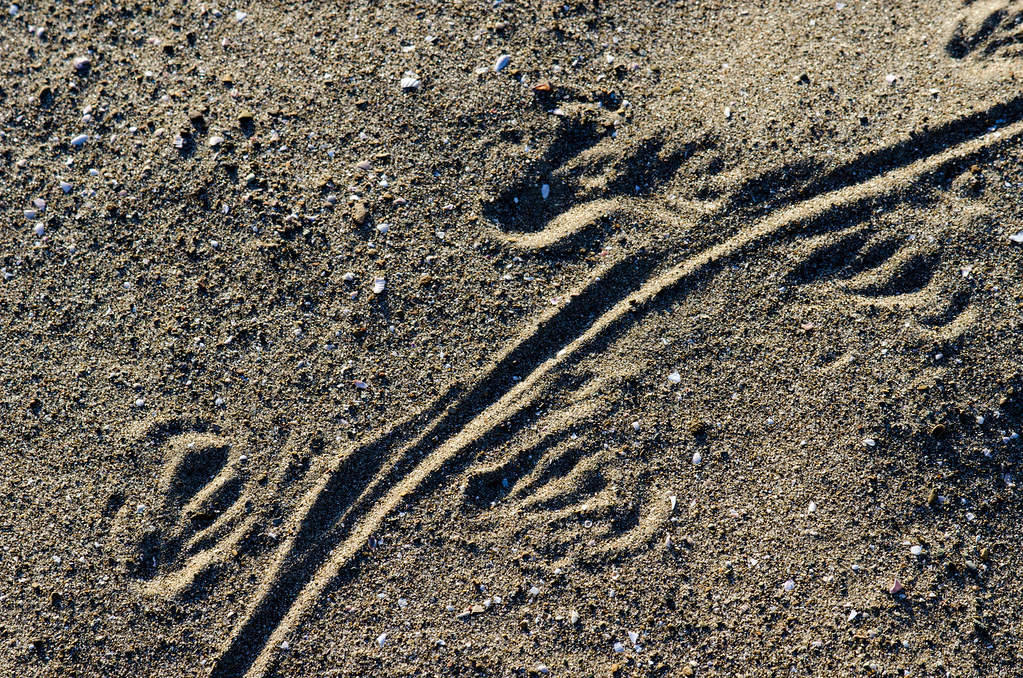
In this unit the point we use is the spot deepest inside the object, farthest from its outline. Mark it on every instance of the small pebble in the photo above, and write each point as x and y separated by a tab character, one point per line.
916	550
79	140
545	191
789	585
697	458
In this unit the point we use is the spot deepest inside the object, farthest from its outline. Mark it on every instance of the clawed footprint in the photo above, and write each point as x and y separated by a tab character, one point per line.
988	29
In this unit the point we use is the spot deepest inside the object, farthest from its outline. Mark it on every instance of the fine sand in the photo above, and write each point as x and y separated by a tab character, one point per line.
517	338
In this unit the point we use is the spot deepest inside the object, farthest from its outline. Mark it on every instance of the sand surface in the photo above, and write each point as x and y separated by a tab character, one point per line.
507	339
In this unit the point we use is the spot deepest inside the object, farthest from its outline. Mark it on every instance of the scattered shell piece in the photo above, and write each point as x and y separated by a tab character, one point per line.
635	425
502	62
39	230
348	277
697	458
81	64
1017	238
573	617
675	377
916	550
410	83
869	442
673	500
382	639
215	141
812	507
789	585
379	285
534	591
891	78
402	603
365	165
728	112
66	187
383	228
619	647
39	203
240	16
360	384
896	587
79	140
668	543
633	637
545	191
31	214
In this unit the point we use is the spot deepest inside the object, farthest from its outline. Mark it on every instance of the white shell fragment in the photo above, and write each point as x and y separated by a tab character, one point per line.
79	140
215	141
916	550
545	191
1017	238
39	230
789	585
379	285
348	277
410	83
675	377
382	639
673	500
366	164
619	647
502	62
39	203
633	637
697	459
869	442
66	187
383	228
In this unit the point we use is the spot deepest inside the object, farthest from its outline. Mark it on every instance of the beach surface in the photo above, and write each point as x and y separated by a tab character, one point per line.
511	339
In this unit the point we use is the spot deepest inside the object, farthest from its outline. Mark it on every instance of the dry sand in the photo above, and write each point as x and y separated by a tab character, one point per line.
685	343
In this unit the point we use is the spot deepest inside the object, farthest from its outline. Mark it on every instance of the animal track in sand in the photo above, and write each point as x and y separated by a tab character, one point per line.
987	30
827	231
